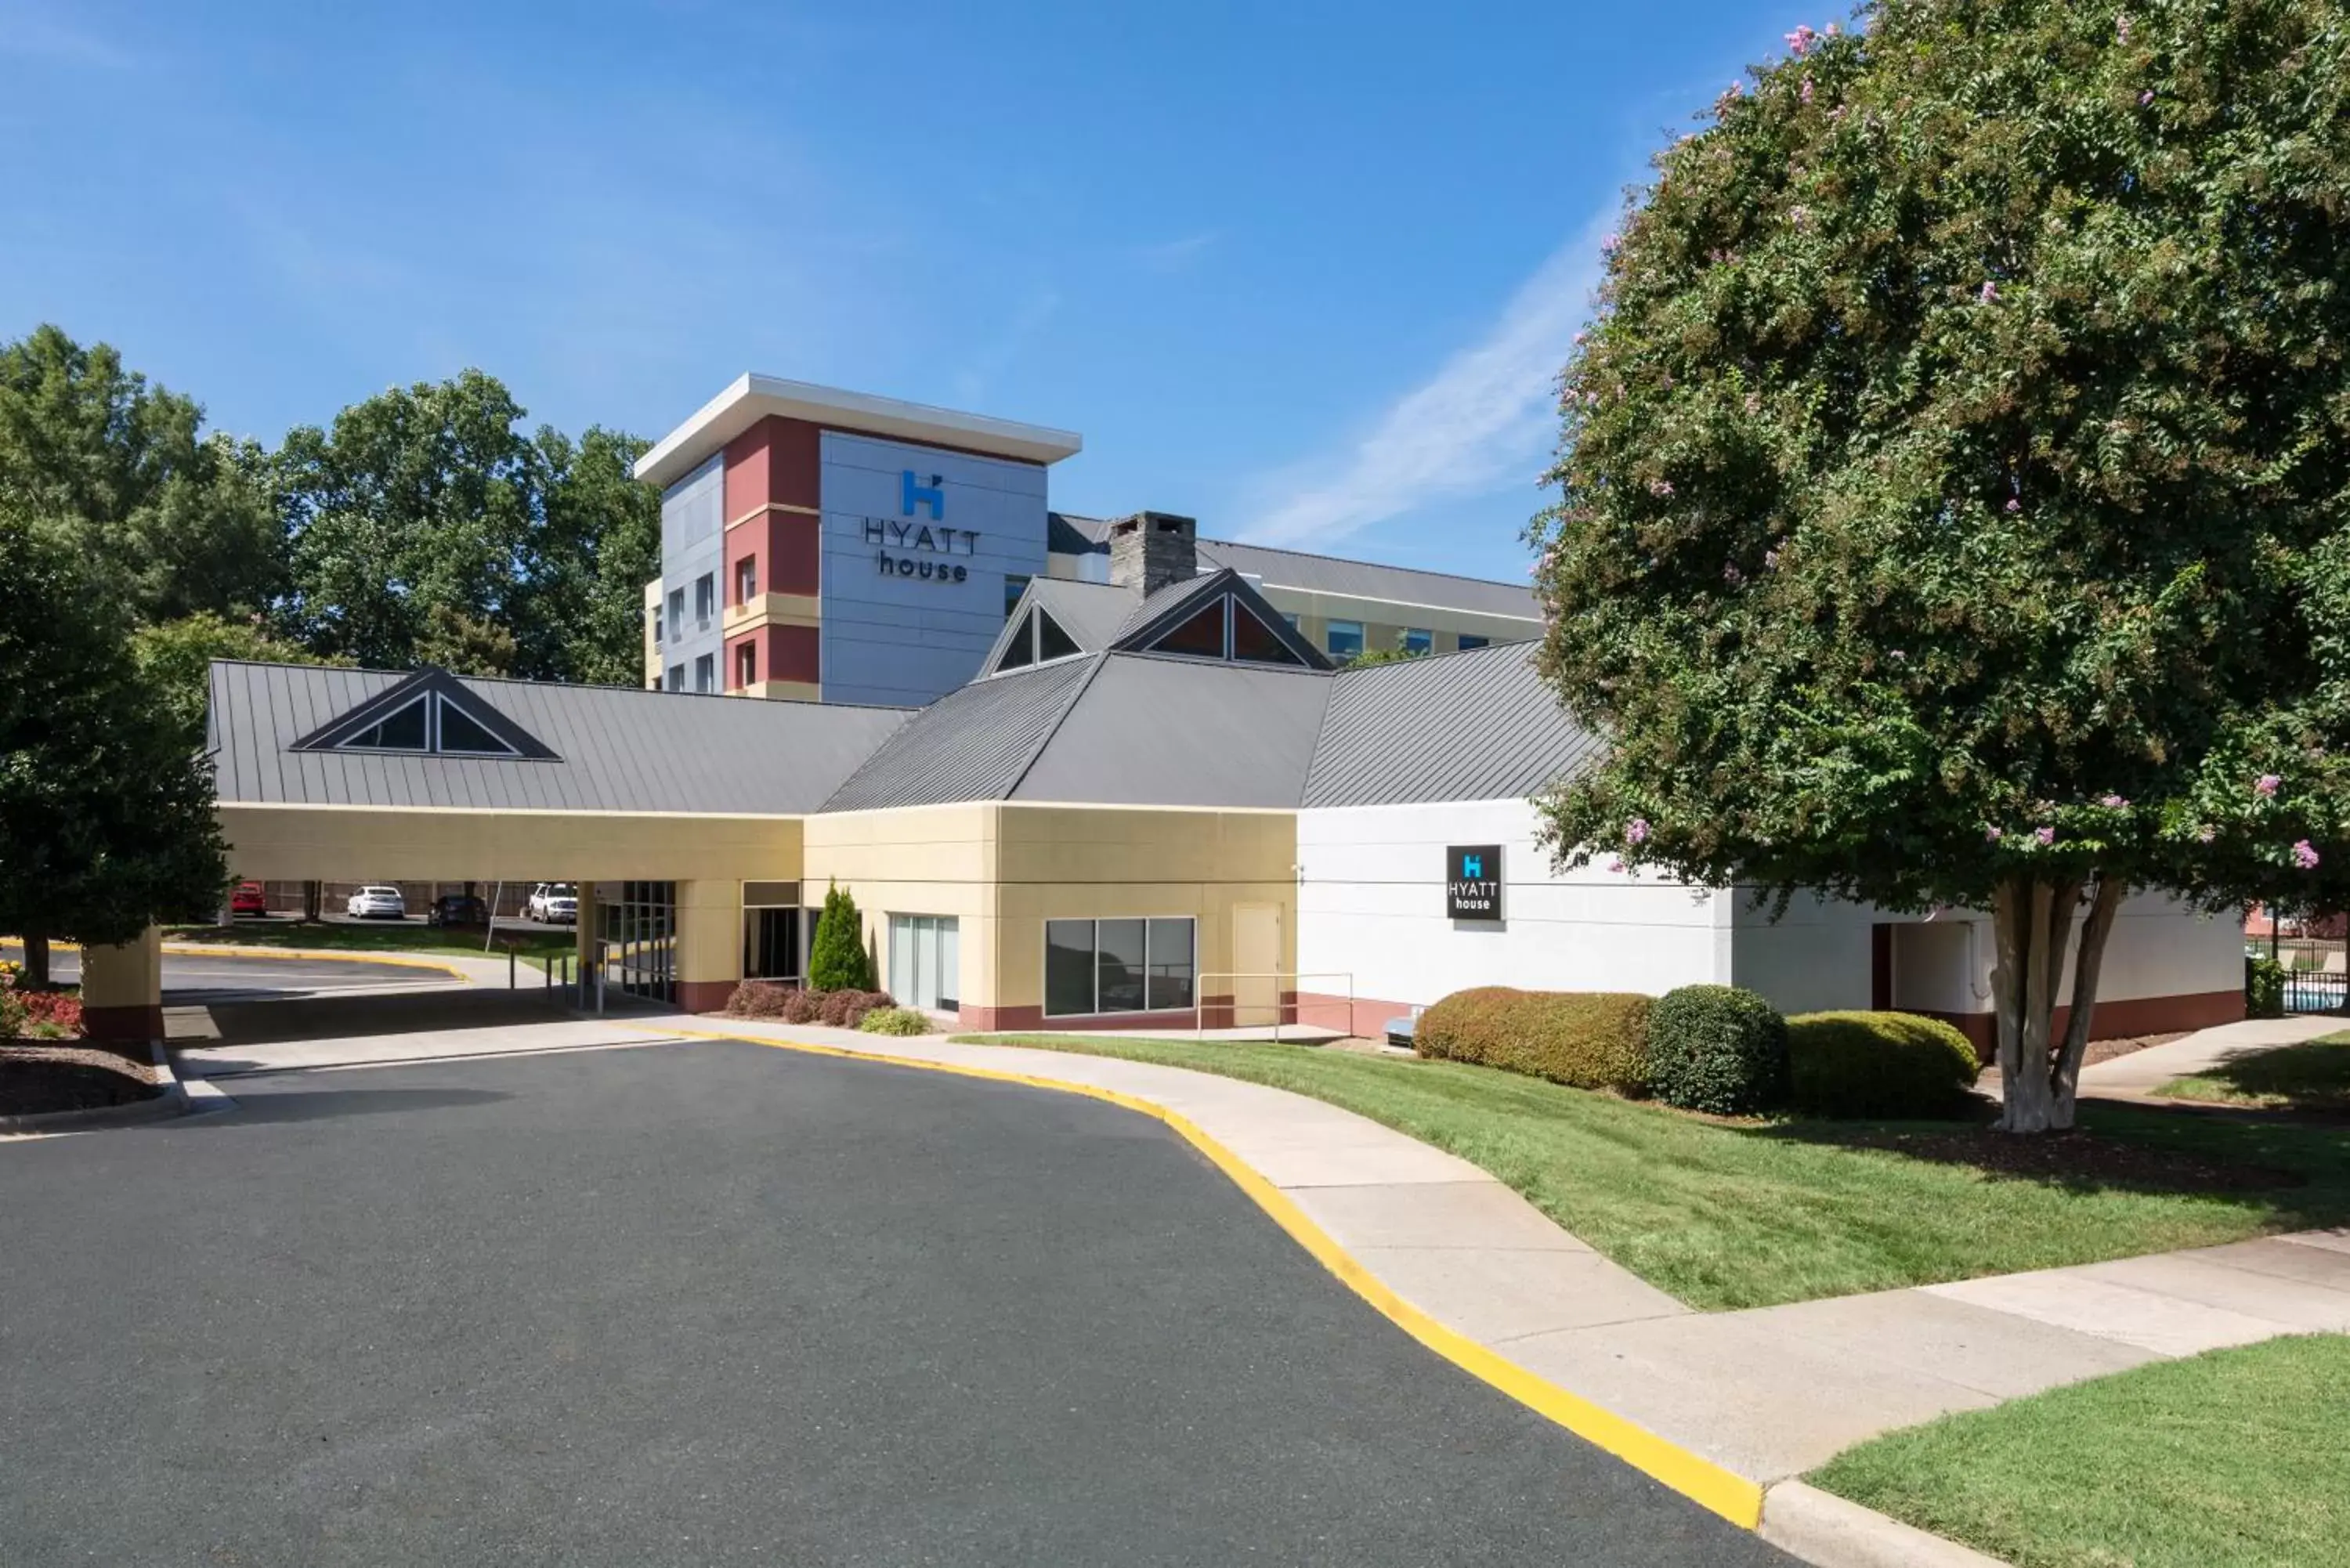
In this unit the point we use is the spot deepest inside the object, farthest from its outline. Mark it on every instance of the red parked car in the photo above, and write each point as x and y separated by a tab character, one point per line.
250	899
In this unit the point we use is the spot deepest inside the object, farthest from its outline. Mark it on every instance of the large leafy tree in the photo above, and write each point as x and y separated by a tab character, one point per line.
175	520
106	810
599	545
1953	483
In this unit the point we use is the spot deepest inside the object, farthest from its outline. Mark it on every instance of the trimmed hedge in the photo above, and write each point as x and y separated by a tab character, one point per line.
797	1004
2263	988
1893	1065
1717	1048
1587	1040
896	1020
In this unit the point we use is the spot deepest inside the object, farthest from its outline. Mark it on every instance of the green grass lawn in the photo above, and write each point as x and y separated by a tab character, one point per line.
2237	1459
1728	1215
2313	1076
389	937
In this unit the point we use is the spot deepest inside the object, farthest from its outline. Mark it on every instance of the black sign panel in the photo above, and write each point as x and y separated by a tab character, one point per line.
1473	882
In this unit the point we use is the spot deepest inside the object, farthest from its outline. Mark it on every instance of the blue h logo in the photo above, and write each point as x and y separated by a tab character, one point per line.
932	495
1472	868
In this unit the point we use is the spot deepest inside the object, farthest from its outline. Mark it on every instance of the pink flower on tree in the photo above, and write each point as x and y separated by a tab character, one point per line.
1770	560
1989	292
2206	834
2045	835
2015	504
2266	785
1807	94
2145	98
2121	28
1799	42
1637	830
1582	337
1992	834
1616	867
1660	487
2304	856
2113	802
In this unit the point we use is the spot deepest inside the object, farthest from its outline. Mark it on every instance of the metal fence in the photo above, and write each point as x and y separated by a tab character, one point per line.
2315	991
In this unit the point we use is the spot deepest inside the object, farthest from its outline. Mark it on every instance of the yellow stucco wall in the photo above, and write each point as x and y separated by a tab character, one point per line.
1001	870
344	842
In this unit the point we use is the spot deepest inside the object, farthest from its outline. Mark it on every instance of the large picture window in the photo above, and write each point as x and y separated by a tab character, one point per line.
925	962
1118	966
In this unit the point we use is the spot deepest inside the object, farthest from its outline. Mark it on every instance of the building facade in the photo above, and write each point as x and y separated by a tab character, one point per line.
827	546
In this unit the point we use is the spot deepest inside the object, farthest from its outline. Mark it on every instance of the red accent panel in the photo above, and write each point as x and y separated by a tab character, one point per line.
2115	1020
776	459
705	995
1367	1019
1217	1012
792	653
131	1025
795	543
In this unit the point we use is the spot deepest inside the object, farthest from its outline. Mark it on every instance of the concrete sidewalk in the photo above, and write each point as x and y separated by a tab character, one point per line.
1765	1393
2141	1073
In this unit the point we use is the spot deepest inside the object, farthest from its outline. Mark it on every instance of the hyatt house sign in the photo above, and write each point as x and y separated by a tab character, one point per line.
920	549
1473	882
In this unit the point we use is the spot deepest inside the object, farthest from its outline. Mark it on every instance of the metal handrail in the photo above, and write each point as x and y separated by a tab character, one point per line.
1200	993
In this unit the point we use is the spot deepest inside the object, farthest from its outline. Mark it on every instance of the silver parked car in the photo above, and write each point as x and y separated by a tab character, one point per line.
556	903
377	903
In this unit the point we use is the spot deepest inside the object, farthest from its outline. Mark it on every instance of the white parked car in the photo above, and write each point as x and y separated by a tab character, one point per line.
377	903
556	903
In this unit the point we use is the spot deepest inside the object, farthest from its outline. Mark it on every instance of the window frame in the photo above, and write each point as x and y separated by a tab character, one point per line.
705	600
1148	968
747	663
1330	631
705	674
747	580
1417	640
1470	642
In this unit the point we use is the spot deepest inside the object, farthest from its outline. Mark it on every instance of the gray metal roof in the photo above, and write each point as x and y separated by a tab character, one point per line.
972	744
1150	730
1296	569
1455	726
1091	612
616	748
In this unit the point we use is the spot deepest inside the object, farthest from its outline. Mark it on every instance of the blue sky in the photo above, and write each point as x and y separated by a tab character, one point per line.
1301	271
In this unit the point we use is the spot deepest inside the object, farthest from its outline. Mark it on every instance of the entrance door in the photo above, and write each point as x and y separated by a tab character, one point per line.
636	925
1256	958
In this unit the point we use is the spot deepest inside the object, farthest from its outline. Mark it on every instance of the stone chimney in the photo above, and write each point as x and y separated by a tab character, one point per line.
1152	549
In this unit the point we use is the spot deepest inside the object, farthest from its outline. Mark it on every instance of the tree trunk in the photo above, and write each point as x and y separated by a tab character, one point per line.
313	896
36	962
2032	922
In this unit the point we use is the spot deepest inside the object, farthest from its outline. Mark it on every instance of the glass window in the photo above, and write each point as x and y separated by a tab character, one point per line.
1291	617
1416	640
461	731
925	962
705	672
1344	639
677	677
400	731
1051	642
1468	642
1203	636
705	597
657	626
1014	584
771	944
677	611
1256	642
1021	648
1120	964
1171	965
746	579
1069	967
746	664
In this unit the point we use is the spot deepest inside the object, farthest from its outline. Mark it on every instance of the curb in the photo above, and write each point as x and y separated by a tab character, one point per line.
1711	1486
170	1100
332	955
1827	1532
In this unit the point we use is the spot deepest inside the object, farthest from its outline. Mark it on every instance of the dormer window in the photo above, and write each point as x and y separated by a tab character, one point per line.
1036	638
428	714
1227	629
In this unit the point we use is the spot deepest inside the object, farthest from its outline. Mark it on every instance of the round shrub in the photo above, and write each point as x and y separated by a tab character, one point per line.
758	999
1893	1065
1717	1048
846	1009
895	1021
802	1005
1587	1039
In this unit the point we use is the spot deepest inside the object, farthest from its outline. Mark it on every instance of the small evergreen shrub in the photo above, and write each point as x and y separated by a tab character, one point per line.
1869	1065
1717	1048
837	957
2263	988
896	1020
1588	1039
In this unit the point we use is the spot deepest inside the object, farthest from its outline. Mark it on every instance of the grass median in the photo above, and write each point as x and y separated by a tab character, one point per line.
2313	1076
1727	1214
2230	1459
393	936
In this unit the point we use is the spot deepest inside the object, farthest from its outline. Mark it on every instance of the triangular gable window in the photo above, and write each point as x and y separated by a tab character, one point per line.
1254	642
1051	642
1021	648
428	714
1202	636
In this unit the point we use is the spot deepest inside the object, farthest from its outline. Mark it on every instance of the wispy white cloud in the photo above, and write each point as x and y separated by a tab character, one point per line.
31	34
1175	255
1485	418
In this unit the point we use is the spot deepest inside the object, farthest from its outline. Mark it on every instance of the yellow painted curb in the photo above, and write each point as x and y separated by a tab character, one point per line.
333	955
56	945
1724	1491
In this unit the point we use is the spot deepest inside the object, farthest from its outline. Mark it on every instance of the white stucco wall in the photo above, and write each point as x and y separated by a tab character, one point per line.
1370	902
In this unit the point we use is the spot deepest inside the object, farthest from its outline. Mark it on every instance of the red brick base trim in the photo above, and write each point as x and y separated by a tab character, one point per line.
132	1025
2118	1018
1363	1015
705	995
1216	1013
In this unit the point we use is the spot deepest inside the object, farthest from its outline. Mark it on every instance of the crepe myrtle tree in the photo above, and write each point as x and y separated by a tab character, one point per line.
1954	484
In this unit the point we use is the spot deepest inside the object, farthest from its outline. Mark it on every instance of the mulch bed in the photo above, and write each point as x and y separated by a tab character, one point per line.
2075	1156
42	1076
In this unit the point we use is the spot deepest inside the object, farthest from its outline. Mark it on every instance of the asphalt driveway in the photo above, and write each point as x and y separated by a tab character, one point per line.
713	1303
